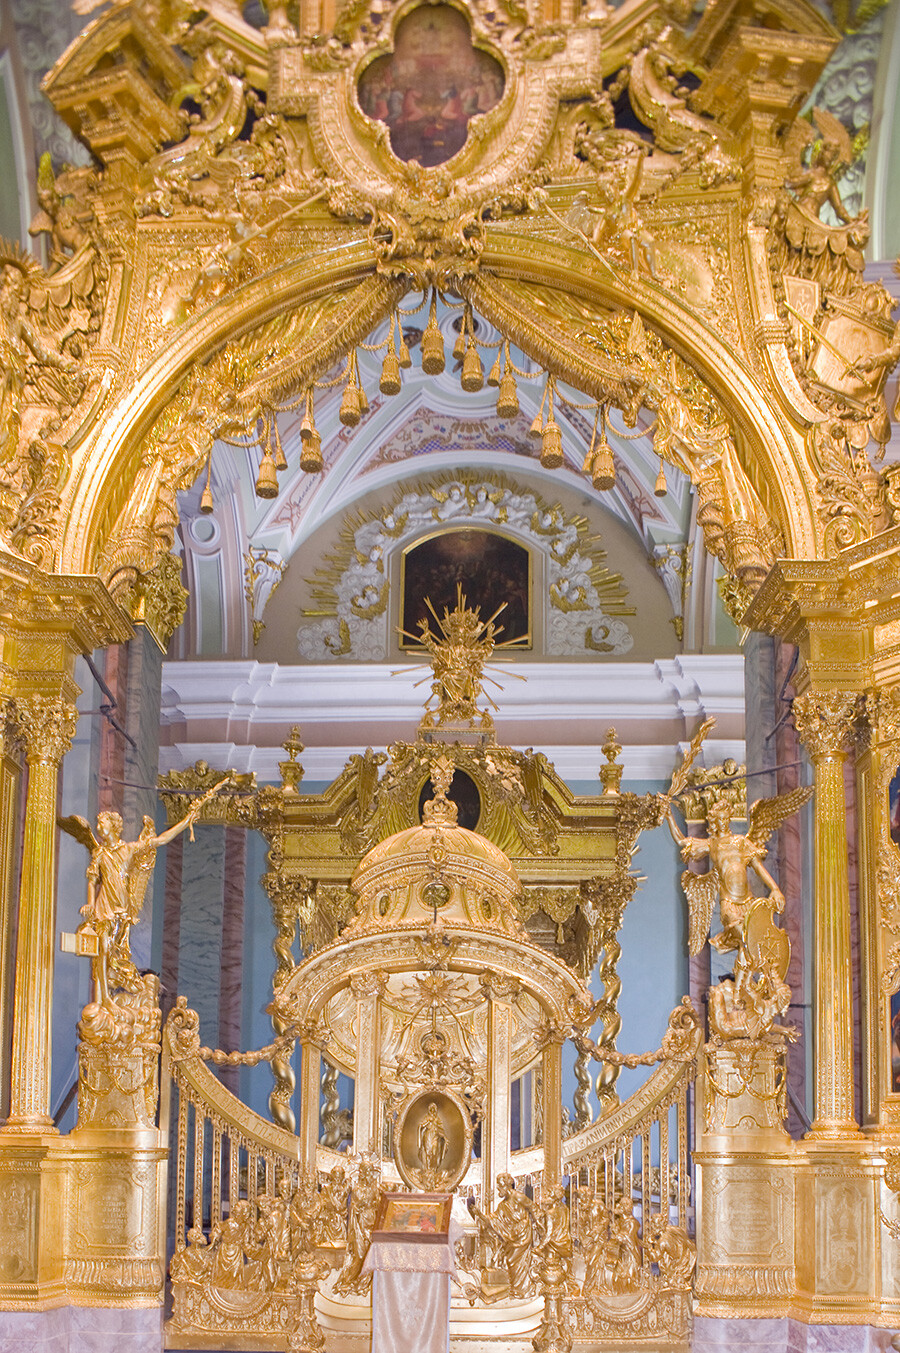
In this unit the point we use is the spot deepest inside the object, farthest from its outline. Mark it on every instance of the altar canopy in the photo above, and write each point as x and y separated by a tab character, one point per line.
494	338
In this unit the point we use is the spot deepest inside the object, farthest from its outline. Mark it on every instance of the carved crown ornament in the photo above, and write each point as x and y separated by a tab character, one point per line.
272	194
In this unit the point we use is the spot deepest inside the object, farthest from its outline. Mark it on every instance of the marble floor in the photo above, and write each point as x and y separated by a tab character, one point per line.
72	1329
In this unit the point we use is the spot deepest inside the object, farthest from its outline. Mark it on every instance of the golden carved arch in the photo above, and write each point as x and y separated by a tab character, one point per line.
273	335
110	492
282	193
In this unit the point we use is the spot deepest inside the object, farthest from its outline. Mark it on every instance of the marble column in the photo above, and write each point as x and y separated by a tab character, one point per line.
824	721
129	753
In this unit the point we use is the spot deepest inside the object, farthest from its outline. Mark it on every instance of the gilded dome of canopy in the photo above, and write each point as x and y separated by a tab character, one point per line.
436	866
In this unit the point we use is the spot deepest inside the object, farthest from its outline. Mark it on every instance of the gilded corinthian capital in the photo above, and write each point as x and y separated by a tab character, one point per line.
882	709
824	720
46	725
366	984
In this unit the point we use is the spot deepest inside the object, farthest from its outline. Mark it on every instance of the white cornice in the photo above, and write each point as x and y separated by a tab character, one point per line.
237	713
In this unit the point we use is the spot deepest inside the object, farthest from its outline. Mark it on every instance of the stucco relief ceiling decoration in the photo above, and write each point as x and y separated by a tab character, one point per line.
583	601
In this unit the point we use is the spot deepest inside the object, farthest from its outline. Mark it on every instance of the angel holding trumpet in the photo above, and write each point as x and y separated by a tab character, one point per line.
117	878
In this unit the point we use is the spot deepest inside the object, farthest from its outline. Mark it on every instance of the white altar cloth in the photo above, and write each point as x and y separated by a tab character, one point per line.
411	1295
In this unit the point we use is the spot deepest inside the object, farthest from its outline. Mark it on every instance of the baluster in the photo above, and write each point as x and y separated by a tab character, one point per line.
181	1170
682	1158
252	1175
197	1199
234	1172
645	1186
215	1189
664	1163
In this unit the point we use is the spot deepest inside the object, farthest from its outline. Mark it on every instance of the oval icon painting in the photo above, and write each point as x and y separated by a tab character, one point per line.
431	85
432	1140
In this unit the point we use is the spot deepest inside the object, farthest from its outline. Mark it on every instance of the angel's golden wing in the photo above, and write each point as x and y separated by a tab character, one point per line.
834	133
138	879
80	828
702	891
798	138
767	815
139	873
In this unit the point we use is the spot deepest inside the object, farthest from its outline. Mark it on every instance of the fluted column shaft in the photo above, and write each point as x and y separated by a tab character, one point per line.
824	721
46	725
310	1070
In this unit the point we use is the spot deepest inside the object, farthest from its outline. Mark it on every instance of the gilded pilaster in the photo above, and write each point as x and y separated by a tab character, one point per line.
500	993
879	858
367	989
46	725
824	720
554	1038
11	777
310	1040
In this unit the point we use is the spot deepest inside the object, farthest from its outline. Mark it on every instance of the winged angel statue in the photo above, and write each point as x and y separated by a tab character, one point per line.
759	991
117	877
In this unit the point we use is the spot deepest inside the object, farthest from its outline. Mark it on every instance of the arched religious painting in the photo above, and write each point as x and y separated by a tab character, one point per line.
493	571
430	87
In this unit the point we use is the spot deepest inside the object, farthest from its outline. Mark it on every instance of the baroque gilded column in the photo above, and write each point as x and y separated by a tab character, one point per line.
287	897
824	720
46	725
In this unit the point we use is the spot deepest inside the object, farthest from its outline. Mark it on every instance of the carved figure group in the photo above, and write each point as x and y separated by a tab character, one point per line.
672	1250
458	655
364	1200
510	1230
